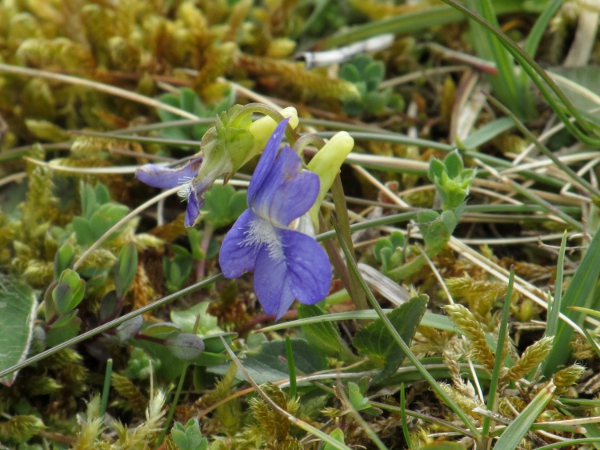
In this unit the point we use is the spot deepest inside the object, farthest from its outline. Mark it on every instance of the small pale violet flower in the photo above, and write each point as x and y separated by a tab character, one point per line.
185	176
288	264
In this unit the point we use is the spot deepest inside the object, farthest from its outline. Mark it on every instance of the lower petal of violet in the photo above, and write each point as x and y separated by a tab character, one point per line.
271	284
236	256
309	271
192	211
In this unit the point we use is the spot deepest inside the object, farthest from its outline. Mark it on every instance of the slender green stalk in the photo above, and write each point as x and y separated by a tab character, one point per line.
410	355
291	366
554	304
403	417
100	87
106	387
337	190
171	413
403	217
499	357
536	33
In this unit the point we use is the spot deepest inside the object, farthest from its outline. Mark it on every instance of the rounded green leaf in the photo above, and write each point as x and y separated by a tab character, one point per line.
125	269
185	346
17	315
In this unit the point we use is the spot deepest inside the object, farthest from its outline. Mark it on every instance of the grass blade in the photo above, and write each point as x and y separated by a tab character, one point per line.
505	85
517	430
502	336
554	307
577	294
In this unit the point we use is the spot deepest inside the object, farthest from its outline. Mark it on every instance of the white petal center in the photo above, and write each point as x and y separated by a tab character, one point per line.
185	187
262	232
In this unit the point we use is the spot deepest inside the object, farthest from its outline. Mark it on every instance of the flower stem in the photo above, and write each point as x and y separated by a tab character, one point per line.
337	190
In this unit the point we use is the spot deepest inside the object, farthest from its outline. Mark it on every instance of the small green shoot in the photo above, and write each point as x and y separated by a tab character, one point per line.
366	74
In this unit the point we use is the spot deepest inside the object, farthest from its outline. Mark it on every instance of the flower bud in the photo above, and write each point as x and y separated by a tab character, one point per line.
326	164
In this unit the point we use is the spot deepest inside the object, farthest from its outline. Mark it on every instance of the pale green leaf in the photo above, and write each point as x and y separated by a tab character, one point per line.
17	314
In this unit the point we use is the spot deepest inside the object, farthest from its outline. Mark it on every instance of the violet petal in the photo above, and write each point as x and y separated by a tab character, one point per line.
271	284
266	160
308	268
288	192
236	256
165	178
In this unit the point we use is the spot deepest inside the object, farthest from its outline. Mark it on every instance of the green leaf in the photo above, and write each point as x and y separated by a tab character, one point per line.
67	330
357	400
170	366
454	164
63	259
62	295
375	102
267	364
105	217
69	292
186	319
185	346
108	306
125	269
323	336
376	341
338	435
223	205
437	321
180	439
350	73
189	437
161	330
189	101
178	269
88	200
83	232
17	315
129	328
388	251
101	194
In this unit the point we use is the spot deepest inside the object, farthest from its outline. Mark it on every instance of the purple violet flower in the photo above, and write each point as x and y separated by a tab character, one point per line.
288	264
184	176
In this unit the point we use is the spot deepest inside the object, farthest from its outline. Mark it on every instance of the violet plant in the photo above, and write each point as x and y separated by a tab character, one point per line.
274	237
